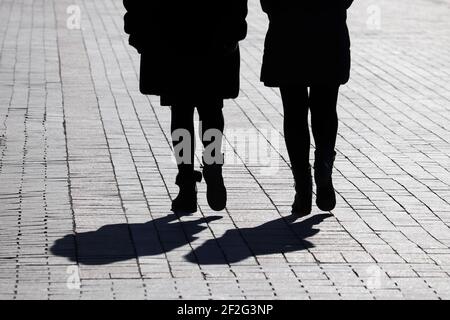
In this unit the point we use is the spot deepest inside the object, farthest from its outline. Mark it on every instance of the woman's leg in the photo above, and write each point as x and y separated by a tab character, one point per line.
298	142
183	135
296	128
212	125
325	128
183	138
324	118
211	129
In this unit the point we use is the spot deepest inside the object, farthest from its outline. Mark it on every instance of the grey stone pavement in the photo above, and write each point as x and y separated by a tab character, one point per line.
86	173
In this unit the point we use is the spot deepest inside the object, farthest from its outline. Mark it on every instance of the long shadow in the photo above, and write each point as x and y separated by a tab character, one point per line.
273	237
121	242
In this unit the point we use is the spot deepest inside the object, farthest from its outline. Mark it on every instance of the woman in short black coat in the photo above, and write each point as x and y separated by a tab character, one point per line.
308	46
190	59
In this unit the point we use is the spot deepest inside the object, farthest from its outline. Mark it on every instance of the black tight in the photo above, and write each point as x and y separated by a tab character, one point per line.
322	101
211	129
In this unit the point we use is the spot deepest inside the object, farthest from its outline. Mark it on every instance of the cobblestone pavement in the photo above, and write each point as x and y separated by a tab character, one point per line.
86	174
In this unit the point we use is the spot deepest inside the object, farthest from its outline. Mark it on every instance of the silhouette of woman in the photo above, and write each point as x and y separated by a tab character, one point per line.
190	59
308	46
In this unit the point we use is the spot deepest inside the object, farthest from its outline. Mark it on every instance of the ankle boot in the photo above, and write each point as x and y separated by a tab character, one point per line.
186	202
216	193
303	198
323	172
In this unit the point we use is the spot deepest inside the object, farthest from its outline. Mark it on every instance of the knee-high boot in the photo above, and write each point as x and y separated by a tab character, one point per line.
187	179
216	193
323	175
303	186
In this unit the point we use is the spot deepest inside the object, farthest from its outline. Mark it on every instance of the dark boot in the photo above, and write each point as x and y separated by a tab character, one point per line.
323	172
303	198
216	193
186	202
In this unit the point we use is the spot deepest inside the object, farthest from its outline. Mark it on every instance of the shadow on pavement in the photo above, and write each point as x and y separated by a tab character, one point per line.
269	238
121	242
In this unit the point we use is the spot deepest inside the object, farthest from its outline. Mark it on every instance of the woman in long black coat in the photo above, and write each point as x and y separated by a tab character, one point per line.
190	59
308	47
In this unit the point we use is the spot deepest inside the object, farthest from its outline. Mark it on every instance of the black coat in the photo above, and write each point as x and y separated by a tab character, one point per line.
189	48
307	42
